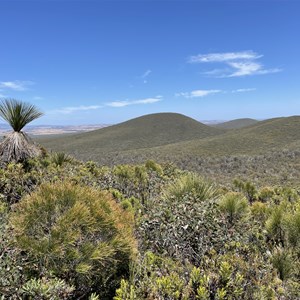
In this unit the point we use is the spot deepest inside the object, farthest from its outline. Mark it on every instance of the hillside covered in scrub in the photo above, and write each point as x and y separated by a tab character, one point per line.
235	124
144	132
172	135
219	154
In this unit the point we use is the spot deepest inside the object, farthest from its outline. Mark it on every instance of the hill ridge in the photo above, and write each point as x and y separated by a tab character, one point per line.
142	132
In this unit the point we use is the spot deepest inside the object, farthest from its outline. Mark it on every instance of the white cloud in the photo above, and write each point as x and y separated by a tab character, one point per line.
249	68
71	109
243	90
148	100
238	64
118	103
203	93
197	93
146	73
224	57
38	98
140	101
16	85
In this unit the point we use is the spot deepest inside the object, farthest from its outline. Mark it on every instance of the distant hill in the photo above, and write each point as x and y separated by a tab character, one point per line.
269	135
174	137
142	132
235	124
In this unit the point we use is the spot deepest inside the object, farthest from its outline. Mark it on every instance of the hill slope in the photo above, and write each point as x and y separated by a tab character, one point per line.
273	134
143	132
173	137
235	124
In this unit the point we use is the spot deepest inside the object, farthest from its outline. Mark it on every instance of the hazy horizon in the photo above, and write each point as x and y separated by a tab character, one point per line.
101	62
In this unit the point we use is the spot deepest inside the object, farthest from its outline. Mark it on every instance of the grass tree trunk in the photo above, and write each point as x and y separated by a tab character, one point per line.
18	146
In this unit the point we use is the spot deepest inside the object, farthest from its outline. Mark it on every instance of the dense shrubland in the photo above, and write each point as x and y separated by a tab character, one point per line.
74	230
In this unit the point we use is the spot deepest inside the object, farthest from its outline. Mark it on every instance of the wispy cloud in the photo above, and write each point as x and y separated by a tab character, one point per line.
243	90
140	101
238	64
72	109
16	85
197	93
146	73
249	68
224	57
204	93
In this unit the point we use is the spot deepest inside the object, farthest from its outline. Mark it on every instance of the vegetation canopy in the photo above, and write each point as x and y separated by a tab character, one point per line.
18	114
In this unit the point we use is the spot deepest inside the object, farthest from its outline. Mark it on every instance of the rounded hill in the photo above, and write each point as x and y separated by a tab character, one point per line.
271	134
142	132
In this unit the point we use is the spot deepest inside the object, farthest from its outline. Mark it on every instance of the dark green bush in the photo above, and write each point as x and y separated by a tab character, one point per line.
76	233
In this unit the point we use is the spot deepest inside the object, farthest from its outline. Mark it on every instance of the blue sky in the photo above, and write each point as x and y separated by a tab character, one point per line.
89	62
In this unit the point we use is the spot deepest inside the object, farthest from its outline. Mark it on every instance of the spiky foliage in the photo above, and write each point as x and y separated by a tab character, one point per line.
282	262
234	205
18	114
78	234
17	146
59	158
191	183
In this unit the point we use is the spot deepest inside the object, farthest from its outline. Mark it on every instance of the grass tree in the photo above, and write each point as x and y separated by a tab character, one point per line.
17	145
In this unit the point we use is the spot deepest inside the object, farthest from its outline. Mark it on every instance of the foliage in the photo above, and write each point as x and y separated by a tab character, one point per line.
190	183
47	288
18	113
247	188
11	263
292	224
186	224
234	205
197	239
79	234
282	262
227	276
275	224
59	158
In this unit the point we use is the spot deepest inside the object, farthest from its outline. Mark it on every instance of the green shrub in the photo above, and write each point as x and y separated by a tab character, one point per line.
60	158
184	222
11	264
292	225
283	262
275	224
47	289
259	210
265	194
234	205
190	183
77	233
247	188
151	165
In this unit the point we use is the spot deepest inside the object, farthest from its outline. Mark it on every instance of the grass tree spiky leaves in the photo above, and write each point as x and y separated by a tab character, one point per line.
18	114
